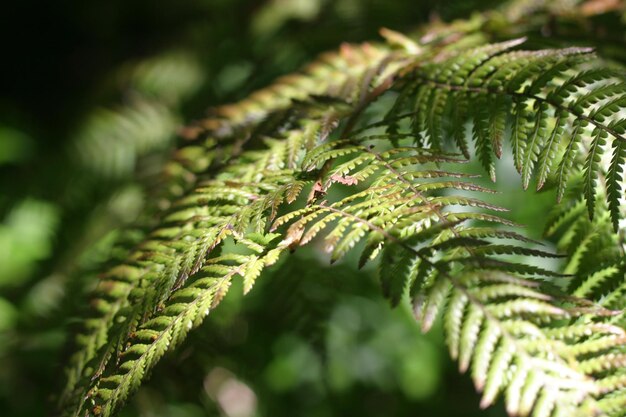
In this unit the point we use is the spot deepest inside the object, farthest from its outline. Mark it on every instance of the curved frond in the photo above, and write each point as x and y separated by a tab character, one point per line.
305	160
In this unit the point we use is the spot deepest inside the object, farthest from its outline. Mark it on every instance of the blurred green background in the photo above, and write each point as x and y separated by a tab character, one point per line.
92	96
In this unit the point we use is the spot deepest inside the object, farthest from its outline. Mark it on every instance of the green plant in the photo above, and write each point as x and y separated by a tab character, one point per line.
366	148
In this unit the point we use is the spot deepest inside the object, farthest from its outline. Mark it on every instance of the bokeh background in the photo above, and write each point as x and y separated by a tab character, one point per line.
92	96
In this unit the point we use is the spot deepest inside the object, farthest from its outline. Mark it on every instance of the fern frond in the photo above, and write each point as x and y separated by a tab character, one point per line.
496	321
255	185
318	168
184	310
614	182
546	94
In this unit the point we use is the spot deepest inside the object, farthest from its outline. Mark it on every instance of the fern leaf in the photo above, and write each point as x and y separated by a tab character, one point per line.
440	243
614	181
592	166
